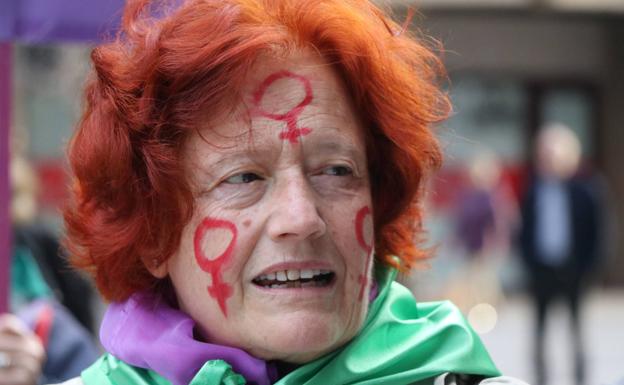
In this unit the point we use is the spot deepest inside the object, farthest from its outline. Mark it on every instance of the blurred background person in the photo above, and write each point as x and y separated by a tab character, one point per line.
559	238
43	248
484	214
42	340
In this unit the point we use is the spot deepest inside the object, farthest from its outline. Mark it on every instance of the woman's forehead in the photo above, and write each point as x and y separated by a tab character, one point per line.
294	101
278	87
261	139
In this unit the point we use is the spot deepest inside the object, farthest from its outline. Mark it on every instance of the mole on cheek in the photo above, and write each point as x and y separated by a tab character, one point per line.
247	222
212	261
361	226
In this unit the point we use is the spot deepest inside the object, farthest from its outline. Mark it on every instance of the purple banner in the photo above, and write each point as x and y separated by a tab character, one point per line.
49	21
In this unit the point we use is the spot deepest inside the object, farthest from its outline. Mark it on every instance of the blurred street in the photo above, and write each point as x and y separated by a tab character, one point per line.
510	342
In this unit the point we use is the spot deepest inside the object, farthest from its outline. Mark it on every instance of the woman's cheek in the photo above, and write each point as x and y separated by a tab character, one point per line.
363	224
214	243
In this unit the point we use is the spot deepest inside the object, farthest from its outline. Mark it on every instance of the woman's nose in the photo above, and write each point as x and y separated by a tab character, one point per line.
295	214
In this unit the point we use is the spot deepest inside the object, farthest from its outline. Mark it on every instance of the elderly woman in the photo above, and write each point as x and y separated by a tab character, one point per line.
247	180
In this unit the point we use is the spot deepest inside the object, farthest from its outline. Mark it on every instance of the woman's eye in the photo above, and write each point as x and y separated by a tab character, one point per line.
338	171
244	177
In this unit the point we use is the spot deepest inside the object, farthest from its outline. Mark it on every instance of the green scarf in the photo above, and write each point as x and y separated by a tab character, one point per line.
27	282
402	342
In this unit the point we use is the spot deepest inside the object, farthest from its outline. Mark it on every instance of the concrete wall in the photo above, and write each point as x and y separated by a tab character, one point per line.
522	45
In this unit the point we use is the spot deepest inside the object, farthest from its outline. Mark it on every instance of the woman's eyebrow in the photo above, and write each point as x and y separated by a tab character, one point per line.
230	157
253	152
338	147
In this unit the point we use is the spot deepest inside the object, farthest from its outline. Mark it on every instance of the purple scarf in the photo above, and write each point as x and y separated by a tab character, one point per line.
146	332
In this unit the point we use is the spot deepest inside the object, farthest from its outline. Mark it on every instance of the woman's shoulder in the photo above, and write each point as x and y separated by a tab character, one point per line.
446	379
73	381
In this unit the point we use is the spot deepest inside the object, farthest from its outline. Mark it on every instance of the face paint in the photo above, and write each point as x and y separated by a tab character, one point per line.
219	290
292	132
267	323
368	247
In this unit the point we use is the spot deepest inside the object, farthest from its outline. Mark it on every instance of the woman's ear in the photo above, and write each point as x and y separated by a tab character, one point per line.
158	268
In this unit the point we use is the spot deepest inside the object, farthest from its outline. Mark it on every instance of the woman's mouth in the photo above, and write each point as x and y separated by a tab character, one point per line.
293	278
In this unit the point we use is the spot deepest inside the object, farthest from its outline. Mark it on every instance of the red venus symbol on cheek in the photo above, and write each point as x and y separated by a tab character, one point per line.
292	132
219	290
359	233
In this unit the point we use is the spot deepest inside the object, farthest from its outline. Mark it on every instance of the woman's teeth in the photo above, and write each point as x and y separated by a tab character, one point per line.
292	278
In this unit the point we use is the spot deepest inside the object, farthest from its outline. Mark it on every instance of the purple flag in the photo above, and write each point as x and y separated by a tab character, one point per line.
44	21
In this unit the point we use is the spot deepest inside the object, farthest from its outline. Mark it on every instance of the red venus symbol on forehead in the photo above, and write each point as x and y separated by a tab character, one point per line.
292	132
359	234
219	290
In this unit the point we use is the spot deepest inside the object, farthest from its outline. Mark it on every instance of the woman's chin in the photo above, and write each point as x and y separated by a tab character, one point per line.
300	337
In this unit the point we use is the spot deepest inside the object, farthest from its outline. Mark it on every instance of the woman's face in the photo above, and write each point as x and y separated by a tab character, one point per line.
277	258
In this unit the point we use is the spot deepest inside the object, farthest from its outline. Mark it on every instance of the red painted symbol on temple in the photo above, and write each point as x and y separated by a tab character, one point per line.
219	290
292	132
368	247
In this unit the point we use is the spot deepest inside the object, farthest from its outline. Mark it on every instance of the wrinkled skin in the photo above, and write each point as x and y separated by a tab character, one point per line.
292	198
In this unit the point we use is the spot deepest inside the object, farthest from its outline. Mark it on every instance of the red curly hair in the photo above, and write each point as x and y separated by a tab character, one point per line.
170	64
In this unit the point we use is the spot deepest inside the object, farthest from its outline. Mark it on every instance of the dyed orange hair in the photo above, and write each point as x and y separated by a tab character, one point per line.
171	64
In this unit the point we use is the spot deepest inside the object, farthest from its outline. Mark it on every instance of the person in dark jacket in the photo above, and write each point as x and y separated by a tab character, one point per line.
559	236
